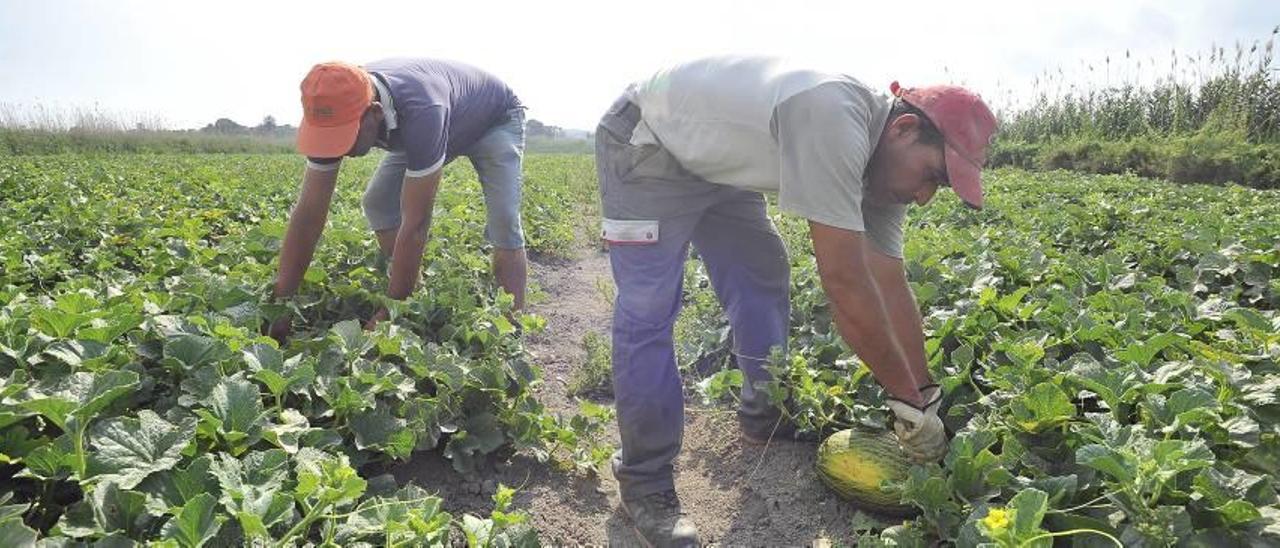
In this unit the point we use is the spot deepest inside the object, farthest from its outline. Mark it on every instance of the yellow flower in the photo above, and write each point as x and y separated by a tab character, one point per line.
997	519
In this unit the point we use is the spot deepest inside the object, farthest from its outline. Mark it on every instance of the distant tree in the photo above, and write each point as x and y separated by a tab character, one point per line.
539	129
225	125
268	124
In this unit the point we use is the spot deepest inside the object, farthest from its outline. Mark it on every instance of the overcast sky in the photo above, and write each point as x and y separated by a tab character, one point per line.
189	63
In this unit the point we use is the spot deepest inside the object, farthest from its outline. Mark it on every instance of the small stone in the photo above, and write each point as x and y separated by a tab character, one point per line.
489	487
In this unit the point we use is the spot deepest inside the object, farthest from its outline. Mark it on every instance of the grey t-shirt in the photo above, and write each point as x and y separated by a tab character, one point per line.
771	125
825	138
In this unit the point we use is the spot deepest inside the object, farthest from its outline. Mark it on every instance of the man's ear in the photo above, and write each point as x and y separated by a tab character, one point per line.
904	124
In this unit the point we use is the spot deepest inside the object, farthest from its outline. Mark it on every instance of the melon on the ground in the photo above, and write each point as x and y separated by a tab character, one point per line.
854	463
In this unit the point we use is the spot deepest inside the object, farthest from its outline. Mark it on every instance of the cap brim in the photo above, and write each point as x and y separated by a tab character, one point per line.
965	178
327	141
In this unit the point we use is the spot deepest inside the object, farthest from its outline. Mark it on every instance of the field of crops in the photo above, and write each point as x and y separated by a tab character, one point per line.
1110	349
140	401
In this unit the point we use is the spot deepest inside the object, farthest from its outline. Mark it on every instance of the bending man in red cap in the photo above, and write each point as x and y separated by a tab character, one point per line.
425	113
683	158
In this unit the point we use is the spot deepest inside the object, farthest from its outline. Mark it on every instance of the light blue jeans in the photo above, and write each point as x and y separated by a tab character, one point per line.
497	157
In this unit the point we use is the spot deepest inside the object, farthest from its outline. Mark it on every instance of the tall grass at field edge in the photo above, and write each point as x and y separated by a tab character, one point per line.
1201	158
39	142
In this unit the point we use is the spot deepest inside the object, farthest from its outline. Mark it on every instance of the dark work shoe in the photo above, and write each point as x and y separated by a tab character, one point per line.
784	431
659	522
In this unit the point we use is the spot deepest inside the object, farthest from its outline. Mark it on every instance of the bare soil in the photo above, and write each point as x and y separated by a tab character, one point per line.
738	494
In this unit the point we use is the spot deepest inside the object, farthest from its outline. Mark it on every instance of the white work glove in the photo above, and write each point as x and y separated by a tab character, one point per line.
920	431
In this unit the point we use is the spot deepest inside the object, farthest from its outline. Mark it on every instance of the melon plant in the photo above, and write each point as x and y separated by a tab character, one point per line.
141	404
856	463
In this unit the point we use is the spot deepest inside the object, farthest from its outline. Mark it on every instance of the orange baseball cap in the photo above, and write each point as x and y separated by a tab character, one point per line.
966	124
334	97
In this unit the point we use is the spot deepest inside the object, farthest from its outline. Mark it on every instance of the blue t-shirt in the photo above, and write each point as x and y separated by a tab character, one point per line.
437	109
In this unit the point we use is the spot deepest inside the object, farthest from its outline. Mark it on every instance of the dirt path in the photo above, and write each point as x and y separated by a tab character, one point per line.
738	495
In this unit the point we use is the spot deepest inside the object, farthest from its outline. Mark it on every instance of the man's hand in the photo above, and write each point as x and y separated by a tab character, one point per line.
380	315
281	329
919	429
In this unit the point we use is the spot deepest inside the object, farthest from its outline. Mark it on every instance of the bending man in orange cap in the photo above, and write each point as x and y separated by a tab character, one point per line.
425	113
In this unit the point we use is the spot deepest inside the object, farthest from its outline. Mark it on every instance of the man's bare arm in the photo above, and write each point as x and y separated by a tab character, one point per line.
904	313
860	311
417	198
306	223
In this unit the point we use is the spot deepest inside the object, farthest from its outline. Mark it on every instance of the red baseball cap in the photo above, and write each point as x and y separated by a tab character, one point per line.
334	97
967	126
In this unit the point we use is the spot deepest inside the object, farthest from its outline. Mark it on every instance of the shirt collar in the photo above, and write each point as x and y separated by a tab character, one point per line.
388	103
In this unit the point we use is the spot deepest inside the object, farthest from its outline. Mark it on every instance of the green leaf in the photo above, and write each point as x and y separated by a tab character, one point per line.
1044	407
1029	507
81	394
352	339
57	323
344	398
234	411
115	509
1187	407
480	434
16	534
252	489
1120	466
720	385
171	489
1024	354
326	478
269	367
78	353
17	442
263	356
1265	458
190	351
1238	512
195	524
378	429
976	473
1248	319
1008	304
50	461
1190	399
926	488
478	531
114	326
314	275
1142	353
127	450
1109	382
258	471
78	521
1059	488
11	511
1175	456
411	515
504	325
382	378
75	303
